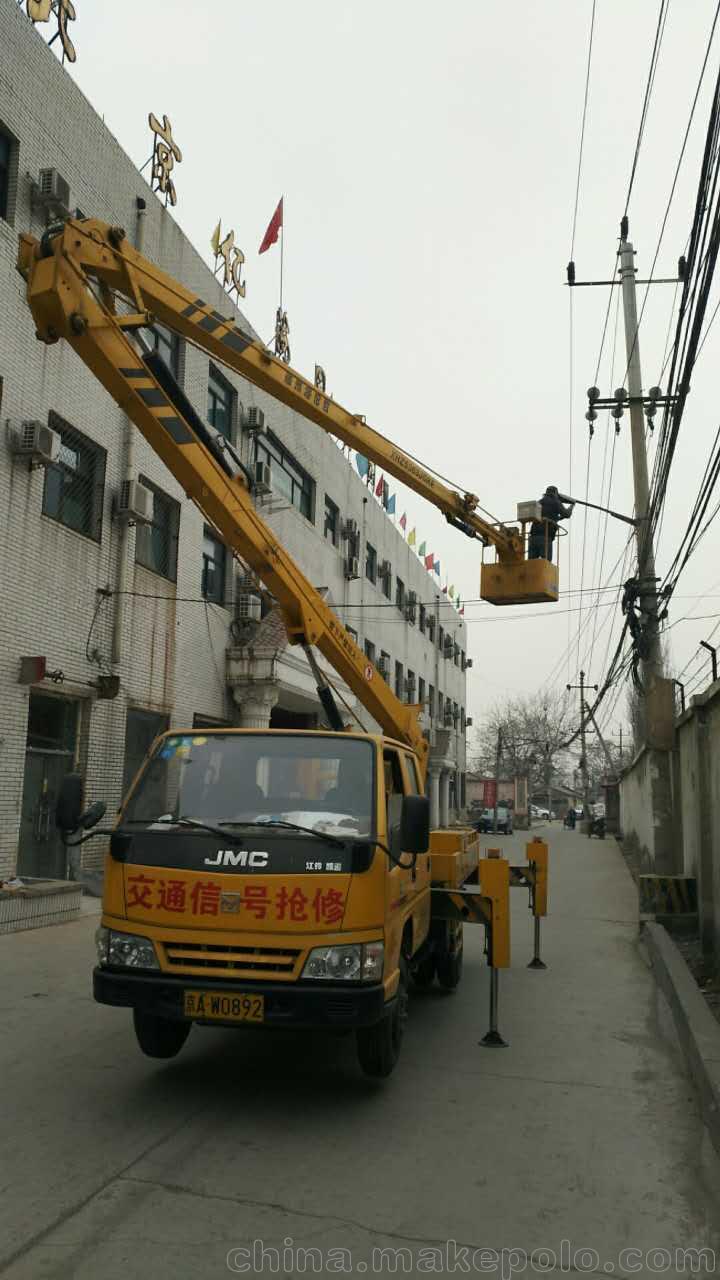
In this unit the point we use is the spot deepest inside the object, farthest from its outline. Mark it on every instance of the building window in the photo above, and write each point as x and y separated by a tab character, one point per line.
398	679
431	700
214	563
456	655
385	665
6	152
370	650
370	562
462	659
386	581
400	593
421	691
410	687
431	628
288	477
156	543
220	403
462	719
440	705
421	620
441	638
352	633
331	529
167	345
74	485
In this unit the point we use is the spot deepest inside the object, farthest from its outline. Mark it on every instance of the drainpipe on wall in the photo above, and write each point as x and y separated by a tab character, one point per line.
124	532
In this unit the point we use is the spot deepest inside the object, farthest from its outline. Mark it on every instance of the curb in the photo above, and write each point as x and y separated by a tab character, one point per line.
698	1031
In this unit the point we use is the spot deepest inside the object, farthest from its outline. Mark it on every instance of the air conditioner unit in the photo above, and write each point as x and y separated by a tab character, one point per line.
255	422
383	667
263	477
136	502
352	567
36	441
248	607
349	529
52	193
468	663
468	722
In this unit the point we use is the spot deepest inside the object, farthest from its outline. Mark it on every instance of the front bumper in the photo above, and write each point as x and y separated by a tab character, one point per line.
303	1006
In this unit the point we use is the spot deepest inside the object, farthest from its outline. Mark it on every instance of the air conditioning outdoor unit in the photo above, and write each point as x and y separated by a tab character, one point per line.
468	722
36	441
136	502
248	607
349	529
352	567
52	193
468	663
255	422
263	477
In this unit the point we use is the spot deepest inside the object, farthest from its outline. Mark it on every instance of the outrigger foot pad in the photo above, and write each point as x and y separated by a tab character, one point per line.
493	1040
537	963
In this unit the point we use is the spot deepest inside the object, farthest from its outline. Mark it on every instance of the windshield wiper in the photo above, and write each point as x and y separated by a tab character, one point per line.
289	826
177	822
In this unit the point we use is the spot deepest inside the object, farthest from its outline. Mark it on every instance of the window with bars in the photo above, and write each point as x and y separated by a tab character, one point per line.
167	345
398	679
7	148
421	620
431	628
331	529
221	398
399	593
75	484
288	477
370	650
370	562
214	568
156	543
431	700
421	690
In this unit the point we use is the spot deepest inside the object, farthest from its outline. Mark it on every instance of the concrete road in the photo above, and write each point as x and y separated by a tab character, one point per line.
580	1140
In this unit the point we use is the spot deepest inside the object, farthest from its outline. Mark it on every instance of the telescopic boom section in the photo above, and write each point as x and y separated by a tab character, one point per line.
105	254
59	272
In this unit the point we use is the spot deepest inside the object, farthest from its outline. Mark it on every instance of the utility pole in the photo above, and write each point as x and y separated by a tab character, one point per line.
498	755
652	665
583	761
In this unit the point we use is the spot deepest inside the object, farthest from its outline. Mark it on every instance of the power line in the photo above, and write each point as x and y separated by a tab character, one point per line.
659	33
582	130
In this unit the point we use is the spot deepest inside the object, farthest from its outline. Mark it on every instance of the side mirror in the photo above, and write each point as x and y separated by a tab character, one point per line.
415	824
92	816
69	807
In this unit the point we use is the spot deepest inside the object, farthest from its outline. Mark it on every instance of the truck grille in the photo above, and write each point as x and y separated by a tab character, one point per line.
247	962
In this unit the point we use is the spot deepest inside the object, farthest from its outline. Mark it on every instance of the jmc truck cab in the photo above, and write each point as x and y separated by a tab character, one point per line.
271	879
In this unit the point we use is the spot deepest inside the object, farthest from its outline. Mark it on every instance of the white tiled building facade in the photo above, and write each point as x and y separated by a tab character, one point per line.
154	606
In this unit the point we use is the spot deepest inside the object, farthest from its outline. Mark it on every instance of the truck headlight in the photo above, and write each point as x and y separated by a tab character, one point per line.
126	949
352	962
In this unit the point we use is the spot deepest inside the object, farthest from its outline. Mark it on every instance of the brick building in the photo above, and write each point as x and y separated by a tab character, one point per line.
155	604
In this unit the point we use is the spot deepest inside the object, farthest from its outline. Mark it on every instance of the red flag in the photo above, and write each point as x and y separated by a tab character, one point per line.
379	487
273	230
430	561
403	521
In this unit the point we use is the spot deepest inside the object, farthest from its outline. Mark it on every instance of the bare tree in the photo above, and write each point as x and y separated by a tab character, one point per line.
532	730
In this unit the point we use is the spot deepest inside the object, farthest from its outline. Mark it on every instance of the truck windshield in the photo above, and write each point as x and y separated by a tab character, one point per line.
325	783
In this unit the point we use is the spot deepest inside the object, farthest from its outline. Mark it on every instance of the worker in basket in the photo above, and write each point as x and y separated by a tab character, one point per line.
542	532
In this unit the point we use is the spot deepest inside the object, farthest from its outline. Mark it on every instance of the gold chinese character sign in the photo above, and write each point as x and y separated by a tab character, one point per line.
64	10
232	259
165	152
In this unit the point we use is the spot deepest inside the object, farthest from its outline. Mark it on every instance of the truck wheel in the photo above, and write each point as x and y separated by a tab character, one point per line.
378	1047
449	959
423	973
159	1037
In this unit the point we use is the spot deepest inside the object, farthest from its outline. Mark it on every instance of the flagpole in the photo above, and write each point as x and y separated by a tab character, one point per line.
282	246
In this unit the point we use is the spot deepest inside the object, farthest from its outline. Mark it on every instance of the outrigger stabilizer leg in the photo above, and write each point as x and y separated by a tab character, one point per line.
492	1038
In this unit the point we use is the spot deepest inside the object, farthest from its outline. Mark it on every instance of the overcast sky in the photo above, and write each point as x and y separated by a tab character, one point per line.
428	158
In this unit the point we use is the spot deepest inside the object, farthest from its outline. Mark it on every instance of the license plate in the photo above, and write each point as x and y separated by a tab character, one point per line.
224	1007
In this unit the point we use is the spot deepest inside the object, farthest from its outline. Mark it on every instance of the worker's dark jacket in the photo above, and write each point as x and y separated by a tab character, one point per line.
552	510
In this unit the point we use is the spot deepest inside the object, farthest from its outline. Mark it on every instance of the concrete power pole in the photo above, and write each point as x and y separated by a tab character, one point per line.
583	762
652	665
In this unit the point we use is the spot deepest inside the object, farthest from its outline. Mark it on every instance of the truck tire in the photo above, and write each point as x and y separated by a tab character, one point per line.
448	960
378	1047
159	1037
